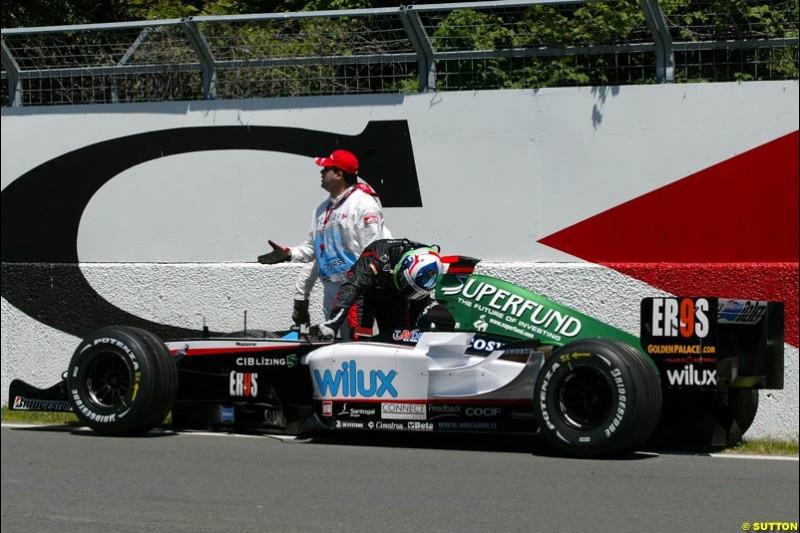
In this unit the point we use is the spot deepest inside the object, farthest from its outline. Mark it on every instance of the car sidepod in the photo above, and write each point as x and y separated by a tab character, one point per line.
434	385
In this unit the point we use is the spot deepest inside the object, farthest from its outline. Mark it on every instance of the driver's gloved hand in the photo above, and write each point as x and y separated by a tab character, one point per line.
300	312
322	332
279	254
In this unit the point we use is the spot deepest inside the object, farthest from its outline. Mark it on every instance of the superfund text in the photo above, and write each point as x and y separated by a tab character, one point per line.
509	304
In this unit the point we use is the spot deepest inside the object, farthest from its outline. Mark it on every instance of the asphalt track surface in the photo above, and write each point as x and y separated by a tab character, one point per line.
57	480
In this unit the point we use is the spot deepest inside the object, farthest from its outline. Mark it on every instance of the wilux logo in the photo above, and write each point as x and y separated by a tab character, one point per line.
353	382
689	375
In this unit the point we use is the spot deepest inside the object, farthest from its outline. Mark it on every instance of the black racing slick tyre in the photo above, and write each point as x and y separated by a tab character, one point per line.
741	405
597	397
705	420
122	381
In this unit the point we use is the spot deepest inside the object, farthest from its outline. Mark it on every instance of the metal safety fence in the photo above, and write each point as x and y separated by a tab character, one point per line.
436	47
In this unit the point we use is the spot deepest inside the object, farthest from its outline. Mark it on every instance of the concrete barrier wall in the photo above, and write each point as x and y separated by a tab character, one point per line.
153	214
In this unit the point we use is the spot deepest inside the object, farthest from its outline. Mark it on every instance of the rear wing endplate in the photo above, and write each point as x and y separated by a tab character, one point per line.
708	342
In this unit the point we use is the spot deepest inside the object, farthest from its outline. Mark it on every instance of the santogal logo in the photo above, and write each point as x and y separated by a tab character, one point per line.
355	383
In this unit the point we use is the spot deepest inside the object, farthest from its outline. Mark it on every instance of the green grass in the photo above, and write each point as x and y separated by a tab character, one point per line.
748	447
35	417
49	419
765	447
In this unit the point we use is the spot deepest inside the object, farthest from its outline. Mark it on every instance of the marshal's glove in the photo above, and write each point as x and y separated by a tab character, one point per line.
300	312
322	332
279	254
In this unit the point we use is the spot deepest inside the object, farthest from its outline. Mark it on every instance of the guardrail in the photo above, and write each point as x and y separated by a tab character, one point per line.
457	46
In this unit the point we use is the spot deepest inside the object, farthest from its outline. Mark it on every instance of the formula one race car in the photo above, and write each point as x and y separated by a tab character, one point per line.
492	358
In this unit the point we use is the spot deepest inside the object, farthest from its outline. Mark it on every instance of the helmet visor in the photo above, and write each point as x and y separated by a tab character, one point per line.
409	288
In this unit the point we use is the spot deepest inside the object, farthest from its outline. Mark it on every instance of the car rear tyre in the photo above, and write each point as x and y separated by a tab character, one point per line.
597	397
705	420
122	381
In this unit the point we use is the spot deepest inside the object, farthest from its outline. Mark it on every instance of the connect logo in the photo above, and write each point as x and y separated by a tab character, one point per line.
353	382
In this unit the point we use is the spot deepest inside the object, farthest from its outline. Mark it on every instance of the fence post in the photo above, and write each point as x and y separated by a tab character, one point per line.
423	46
205	56
14	79
124	61
665	57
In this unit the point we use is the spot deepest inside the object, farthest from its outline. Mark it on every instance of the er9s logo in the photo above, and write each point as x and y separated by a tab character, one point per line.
685	317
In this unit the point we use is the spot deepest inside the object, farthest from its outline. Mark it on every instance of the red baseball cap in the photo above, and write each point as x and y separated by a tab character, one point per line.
341	159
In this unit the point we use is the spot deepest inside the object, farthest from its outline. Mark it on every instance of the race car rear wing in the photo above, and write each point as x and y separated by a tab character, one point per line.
708	342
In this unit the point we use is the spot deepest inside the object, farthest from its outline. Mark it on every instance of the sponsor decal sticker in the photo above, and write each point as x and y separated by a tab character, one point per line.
356	412
485	345
680	317
444	408
680	334
351	382
622	402
31	404
691	376
687	360
227	415
274	418
243	384
483	411
741	311
327	408
471	426
266	361
346	424
496	305
406	335
404	411
681	349
392	426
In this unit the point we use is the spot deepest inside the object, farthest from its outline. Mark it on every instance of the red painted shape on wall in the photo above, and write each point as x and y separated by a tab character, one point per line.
774	282
728	230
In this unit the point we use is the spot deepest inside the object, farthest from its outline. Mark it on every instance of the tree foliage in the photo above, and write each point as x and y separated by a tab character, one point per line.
494	38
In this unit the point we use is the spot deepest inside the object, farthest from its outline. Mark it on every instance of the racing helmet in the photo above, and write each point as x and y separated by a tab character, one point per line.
416	273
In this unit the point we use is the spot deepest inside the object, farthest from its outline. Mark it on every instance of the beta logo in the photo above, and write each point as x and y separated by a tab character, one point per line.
691	376
355	383
243	384
685	317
